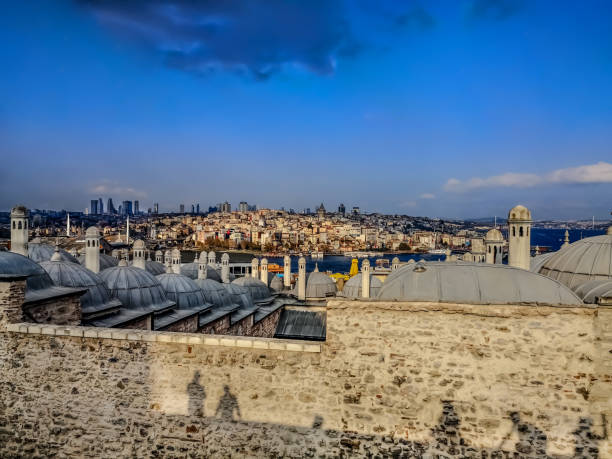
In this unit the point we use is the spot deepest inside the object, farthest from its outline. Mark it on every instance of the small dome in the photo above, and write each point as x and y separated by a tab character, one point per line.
139	244
43	252
582	261
240	295
320	285
214	292
92	231
520	213
182	290
276	284
591	291
106	261
136	288
20	211
66	274
494	235
258	290
37	277
535	263
191	270
474	283
352	288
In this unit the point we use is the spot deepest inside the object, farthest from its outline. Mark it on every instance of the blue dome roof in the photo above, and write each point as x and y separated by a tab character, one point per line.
43	252
106	261
182	290
258	290
215	292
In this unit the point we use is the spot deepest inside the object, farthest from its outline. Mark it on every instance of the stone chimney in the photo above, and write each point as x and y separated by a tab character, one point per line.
365	278
225	268
302	278
264	271
139	254
287	272
19	230
92	249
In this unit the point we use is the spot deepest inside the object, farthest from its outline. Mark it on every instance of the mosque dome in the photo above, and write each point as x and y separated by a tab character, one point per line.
352	288
214	292
191	270
582	261
494	235
43	252
319	285
65	274
474	283
136	288
16	264
592	290
519	213
182	290
537	261
240	295
258	290
276	284
106	261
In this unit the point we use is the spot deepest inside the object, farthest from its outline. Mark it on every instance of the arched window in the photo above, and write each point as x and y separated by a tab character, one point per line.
489	249
527	231
514	230
521	231
19	225
14	226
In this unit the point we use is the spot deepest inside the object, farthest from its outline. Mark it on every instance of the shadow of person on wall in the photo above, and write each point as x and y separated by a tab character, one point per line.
532	441
446	436
196	393
587	441
228	404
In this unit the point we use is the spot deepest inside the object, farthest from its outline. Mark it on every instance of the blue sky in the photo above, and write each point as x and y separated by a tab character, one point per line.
450	109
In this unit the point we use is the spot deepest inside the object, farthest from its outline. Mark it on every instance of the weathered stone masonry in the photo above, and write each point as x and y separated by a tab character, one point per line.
391	379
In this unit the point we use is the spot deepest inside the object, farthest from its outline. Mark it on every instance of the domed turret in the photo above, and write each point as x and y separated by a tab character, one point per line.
519	236
494	243
20	216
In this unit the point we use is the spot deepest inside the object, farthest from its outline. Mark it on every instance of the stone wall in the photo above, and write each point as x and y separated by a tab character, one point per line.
186	325
12	293
62	311
267	327
391	379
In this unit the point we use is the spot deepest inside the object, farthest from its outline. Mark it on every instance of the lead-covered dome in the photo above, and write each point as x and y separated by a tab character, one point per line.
96	299
214	292
136	288
240	295
582	261
352	288
43	252
276	283
259	291
494	235
191	270
474	283
320	285
182	290
593	290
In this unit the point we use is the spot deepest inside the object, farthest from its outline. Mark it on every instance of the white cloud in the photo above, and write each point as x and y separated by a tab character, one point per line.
107	187
428	196
591	173
408	204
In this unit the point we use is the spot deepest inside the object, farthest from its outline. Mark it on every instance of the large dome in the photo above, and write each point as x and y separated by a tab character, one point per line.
182	290
96	299
582	261
320	285
535	263
43	252
16	264
352	288
106	261
474	283
591	291
214	292
259	291
136	288
240	295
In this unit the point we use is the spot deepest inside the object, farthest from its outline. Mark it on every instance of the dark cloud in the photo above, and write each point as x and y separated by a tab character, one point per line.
494	9
255	37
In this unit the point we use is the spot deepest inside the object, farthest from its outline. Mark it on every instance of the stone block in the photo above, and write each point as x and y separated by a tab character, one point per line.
209	341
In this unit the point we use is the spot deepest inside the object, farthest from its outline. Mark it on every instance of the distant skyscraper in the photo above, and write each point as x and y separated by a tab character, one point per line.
100	206
243	206
193	208
341	209
136	207
226	207
110	208
198	208
182	209
127	208
93	209
356	210
156	208
120	209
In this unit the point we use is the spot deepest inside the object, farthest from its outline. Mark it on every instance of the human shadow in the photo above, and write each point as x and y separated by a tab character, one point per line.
532	441
197	394
586	441
228	405
446	436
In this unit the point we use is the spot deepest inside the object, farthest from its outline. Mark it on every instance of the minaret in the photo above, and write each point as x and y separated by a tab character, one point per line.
202	261
68	225
127	230
19	230
138	254
225	268
264	271
395	263
519	237
255	268
365	278
287	272
92	249
566	239
302	278
176	261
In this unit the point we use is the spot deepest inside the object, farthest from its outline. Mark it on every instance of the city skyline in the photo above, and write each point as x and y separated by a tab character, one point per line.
450	110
